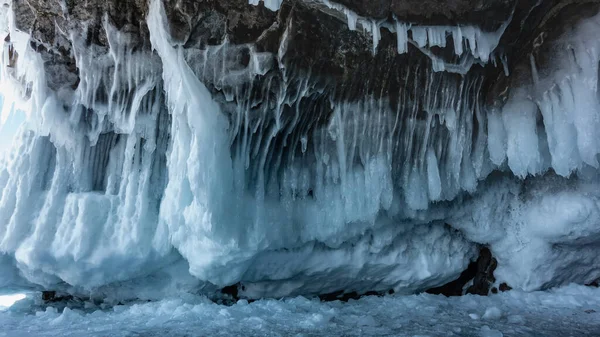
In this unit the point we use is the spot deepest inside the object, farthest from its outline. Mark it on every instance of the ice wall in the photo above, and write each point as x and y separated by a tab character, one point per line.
82	187
141	178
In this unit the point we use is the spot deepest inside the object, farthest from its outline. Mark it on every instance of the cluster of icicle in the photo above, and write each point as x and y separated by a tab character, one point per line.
136	169
83	183
555	121
470	43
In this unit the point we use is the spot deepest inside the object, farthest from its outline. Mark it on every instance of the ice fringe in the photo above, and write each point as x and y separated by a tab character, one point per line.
470	43
466	39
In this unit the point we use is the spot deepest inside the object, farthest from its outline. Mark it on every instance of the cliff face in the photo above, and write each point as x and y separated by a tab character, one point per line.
317	36
301	146
323	38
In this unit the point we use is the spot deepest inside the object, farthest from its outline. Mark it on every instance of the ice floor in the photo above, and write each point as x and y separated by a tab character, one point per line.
569	311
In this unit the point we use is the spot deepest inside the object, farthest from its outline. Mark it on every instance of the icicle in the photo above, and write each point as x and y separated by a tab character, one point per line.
433	176
480	44
352	19
376	35
233	190
402	35
457	38
419	35
351	16
534	73
504	61
519	116
273	5
436	36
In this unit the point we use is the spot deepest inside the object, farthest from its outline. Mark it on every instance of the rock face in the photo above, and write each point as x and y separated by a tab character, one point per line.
303	146
319	40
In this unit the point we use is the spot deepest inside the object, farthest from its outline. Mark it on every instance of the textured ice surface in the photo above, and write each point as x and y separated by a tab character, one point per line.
138	184
570	311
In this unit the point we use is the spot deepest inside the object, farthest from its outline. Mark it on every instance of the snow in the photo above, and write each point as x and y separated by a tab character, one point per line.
492	313
569	311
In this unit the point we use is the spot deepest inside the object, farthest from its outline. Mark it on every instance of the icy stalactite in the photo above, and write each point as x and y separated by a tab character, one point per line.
116	201
116	85
270	189
269	149
565	99
549	124
402	37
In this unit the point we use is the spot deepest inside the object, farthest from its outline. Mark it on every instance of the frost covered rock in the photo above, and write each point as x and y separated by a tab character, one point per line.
298	147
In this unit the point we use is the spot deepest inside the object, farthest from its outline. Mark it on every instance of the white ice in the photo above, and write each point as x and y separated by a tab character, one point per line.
570	311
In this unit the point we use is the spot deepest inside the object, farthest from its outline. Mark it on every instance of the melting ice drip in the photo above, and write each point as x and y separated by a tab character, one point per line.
140	169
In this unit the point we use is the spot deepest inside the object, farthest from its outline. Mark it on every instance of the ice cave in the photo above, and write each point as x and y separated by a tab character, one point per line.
288	167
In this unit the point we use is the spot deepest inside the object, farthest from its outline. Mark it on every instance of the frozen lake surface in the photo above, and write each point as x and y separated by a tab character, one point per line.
568	311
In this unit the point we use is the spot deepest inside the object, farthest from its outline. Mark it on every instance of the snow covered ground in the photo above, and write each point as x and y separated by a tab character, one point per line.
569	311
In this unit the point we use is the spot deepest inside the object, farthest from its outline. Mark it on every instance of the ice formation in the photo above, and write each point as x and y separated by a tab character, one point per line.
469	43
141	178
